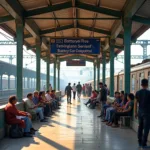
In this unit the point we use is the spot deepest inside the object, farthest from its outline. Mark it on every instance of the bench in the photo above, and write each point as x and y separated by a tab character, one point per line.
125	122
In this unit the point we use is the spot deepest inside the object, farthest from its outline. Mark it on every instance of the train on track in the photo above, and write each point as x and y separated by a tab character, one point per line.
138	72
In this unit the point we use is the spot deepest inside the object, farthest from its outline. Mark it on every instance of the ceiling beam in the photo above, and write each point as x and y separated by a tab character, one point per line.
142	20
75	13
52	30
16	11
97	9
6	19
102	31
57	24
76	57
48	9
131	7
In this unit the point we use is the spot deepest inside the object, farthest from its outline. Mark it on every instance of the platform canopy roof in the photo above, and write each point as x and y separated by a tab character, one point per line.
74	18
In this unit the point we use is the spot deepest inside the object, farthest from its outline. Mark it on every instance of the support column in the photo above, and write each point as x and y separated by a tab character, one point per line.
1	82
127	24
58	78
94	64
104	66
15	83
54	78
38	64
48	73
8	81
98	73
19	58
112	46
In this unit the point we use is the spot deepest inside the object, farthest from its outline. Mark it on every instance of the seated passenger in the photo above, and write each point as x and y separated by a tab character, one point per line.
53	95
34	109
93	97
95	101
51	100
14	116
46	103
111	108
126	111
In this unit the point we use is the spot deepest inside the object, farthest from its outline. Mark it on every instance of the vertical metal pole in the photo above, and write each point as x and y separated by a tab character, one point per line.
127	24
48	73
98	73
112	44
8	81
58	78
1	84
104	66
20	40
38	65
94	75
144	51
54	78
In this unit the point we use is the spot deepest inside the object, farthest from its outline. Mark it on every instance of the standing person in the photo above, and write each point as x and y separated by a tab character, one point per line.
79	90
50	87
68	92
103	97
143	99
89	90
74	89
83	89
44	88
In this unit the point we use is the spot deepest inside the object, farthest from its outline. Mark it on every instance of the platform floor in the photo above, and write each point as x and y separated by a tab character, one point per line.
74	127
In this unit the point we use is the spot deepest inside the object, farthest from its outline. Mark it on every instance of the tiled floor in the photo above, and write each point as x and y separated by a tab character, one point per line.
74	127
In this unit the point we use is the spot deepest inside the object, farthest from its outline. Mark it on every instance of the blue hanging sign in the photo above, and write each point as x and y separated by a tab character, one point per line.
75	63
75	46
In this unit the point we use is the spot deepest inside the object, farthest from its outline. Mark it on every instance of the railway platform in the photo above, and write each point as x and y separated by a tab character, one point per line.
74	127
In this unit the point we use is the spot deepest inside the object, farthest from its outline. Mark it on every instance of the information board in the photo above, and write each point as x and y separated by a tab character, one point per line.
75	63
75	46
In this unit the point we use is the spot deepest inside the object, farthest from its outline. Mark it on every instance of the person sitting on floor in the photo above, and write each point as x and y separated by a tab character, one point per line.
34	109
15	116
126	111
93	97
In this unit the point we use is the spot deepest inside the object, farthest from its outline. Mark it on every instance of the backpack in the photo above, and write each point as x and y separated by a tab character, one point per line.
15	131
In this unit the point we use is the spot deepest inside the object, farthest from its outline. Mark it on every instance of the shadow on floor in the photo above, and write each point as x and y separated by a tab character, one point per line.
52	143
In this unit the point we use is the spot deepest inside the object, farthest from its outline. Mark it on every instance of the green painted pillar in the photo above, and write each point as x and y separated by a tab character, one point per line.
104	66
19	58
38	65
48	73
127	25
98	73
58	78
8	81
54	78
94	64
15	82
1	82
112	54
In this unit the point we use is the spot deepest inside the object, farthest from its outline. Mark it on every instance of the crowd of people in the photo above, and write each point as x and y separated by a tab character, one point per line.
44	104
39	104
75	89
123	105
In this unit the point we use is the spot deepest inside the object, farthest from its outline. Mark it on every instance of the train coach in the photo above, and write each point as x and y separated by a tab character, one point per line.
138	72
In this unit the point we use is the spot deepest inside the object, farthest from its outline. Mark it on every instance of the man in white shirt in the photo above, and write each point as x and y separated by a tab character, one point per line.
74	89
51	100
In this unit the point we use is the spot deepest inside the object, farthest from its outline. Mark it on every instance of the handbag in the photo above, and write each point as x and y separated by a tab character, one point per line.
15	131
